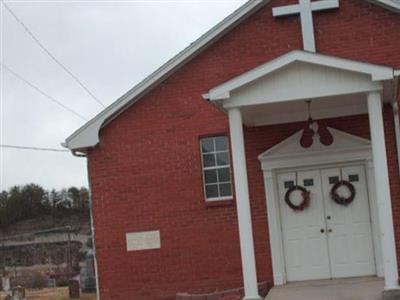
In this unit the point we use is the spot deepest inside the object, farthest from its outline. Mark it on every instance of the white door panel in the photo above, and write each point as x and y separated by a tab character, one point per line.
305	246
347	251
350	242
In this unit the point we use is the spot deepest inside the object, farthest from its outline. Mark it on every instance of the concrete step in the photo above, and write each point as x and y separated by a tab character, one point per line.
365	288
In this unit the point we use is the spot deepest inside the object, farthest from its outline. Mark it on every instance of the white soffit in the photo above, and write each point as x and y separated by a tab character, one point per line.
296	111
88	135
376	72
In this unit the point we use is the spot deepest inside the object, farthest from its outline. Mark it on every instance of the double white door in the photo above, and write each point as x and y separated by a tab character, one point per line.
327	240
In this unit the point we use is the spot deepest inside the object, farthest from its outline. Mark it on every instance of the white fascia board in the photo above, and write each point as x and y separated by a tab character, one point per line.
392	5
88	134
377	72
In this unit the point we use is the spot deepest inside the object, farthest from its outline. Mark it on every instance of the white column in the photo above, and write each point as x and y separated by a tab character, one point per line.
243	205
369	164
383	191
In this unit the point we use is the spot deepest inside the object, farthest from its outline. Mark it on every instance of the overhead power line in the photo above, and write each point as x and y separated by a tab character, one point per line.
32	148
42	92
57	61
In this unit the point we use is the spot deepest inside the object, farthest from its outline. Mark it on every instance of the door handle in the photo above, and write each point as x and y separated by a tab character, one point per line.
328	217
322	230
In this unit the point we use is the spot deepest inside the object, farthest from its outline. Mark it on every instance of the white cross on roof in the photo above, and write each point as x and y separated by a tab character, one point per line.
305	9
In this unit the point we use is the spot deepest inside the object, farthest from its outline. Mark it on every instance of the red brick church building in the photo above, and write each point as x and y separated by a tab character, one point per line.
266	151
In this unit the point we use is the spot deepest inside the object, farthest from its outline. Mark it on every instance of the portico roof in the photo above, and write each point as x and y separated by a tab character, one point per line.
275	92
375	72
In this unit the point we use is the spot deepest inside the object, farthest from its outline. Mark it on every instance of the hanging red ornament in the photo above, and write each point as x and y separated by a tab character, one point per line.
325	136
307	138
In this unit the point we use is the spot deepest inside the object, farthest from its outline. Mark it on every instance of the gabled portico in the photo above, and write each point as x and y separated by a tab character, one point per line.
275	93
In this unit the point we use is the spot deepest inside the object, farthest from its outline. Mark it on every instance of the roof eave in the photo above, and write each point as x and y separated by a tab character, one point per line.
88	135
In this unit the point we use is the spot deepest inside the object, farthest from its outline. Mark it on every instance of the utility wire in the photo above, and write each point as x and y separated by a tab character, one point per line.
32	148
51	55
42	92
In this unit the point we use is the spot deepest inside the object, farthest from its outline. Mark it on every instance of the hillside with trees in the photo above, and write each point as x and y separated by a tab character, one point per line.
31	201
45	234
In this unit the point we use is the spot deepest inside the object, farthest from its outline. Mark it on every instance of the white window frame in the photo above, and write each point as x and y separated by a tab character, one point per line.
203	169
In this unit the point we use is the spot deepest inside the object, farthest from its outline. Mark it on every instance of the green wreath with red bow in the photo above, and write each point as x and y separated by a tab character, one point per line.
341	200
305	198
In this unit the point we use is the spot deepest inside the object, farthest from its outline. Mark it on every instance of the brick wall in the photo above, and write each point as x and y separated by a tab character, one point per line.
146	172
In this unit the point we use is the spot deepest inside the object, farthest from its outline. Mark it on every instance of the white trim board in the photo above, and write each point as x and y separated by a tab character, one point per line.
393	5
87	135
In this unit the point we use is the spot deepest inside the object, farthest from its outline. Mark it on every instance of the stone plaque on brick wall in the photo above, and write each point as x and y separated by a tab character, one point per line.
143	240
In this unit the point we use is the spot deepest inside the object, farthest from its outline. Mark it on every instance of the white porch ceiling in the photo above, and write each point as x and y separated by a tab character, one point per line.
296	111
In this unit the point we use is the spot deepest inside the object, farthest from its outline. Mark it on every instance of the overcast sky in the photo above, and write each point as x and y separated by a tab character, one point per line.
109	45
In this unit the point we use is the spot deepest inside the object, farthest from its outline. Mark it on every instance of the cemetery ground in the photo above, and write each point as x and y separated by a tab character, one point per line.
60	293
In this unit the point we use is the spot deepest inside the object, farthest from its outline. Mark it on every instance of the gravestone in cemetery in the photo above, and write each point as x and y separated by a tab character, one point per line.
74	289
5	282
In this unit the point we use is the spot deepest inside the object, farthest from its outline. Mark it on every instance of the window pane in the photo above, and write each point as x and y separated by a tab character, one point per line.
207	145
212	191
209	160
225	190
222	159
210	176
221	143
223	175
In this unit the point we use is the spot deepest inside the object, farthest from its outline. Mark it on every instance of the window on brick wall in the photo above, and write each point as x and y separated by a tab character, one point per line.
216	168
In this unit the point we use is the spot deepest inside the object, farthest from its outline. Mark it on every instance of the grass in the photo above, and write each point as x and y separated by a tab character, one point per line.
52	294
